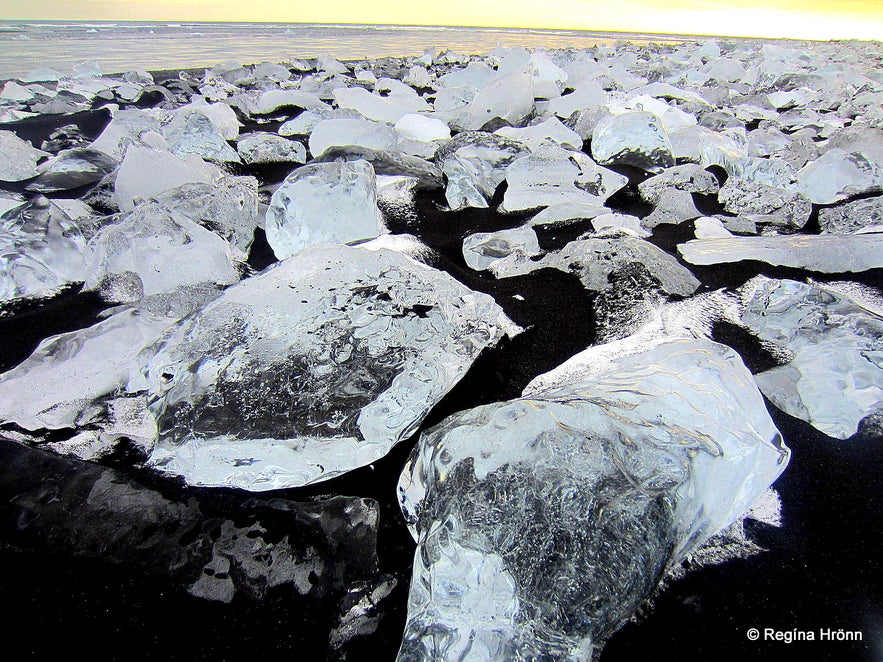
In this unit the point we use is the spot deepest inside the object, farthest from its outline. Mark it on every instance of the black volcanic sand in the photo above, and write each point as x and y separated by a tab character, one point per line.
823	568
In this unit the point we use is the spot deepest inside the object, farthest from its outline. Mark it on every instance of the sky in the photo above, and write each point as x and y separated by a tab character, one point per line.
821	19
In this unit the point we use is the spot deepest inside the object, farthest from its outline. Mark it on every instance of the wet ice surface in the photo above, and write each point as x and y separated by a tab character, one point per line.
834	378
542	523
567	186
318	366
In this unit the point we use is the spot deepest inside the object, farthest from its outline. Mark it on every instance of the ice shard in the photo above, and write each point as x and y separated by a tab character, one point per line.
194	133
635	138
319	365
553	175
18	158
838	175
41	250
228	207
71	169
260	147
68	381
323	202
549	132
864	215
163	248
765	204
127	127
474	164
544	522
482	249
822	253
835	376
689	177
593	258
147	171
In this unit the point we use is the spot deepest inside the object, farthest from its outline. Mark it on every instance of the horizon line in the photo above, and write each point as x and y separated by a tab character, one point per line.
678	36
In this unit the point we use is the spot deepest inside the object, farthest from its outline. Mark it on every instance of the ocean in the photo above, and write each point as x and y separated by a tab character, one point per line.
123	46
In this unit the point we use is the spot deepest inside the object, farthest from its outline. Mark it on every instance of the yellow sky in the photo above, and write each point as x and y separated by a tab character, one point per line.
824	19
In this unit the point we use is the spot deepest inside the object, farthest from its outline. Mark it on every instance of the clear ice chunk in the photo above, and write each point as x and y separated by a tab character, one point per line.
474	164
147	171
689	177
345	132
265	103
323	202
585	95
126	128
161	246
414	126
260	147
594	258
544	522
41	250
194	133
835	376
71	169
508	97
634	138
482	249
552	175
548	132
838	175
566	213
18	158
317	366
228	207
673	207
389	109
64	382
822	253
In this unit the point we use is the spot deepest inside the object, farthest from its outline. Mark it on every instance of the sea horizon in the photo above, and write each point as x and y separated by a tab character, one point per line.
164	45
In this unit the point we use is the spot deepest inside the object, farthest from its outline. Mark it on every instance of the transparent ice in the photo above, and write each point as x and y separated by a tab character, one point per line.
163	248
544	522
835	376
634	138
261	147
552	175
316	366
41	250
323	202
18	158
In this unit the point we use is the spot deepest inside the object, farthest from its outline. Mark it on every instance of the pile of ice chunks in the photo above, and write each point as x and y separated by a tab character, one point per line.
655	174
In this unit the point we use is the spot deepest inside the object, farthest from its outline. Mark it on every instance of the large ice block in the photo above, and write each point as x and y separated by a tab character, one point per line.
544	522
319	365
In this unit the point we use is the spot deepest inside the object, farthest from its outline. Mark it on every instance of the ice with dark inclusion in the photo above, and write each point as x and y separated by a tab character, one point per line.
834	378
319	365
544	522
593	258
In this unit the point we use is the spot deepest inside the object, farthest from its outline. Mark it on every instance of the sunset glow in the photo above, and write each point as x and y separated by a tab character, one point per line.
827	19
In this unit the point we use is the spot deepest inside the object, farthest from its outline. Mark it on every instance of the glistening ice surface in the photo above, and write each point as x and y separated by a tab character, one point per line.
315	367
542	523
